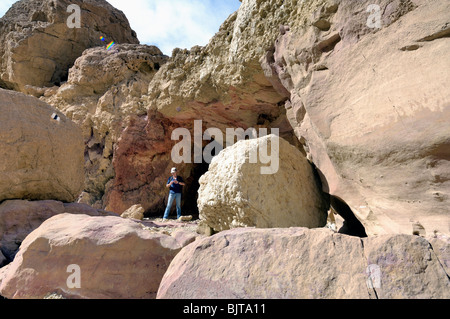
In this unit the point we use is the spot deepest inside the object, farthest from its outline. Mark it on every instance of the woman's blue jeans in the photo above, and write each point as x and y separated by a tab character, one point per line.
177	197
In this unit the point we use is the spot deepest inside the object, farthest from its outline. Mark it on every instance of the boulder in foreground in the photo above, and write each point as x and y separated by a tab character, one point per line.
291	263
114	257
18	218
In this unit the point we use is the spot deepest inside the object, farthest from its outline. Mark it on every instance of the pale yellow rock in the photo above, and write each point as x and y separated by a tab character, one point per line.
134	212
41	151
234	192
39	45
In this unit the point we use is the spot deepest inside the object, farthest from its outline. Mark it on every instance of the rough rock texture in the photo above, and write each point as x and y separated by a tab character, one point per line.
103	89
371	107
18	218
142	164
441	246
225	76
134	212
283	263
117	258
38	47
235	193
222	84
41	158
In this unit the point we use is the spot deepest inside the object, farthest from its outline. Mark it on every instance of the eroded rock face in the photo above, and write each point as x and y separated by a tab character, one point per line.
38	46
116	258
371	107
239	191
41	151
103	89
283	264
142	163
221	84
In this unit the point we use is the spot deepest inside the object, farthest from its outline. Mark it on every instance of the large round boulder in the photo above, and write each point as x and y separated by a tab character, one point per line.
239	190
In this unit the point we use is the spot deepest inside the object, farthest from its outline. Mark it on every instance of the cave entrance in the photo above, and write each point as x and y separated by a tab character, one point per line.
352	226
190	191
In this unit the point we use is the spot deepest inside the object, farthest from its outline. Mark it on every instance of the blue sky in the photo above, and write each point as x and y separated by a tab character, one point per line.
170	23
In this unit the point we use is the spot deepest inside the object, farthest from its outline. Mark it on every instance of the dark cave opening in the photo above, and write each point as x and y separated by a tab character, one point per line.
352	226
190	193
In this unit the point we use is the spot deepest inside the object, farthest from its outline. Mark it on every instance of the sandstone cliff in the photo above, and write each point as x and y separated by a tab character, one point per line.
369	113
104	88
38	46
41	151
324	70
370	104
358	90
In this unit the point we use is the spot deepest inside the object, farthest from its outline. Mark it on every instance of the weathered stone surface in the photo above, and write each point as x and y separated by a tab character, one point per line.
305	263
134	212
103	89
225	76
372	108
441	247
222	84
18	218
41	158
409	267
117	258
142	164
237	192
38	47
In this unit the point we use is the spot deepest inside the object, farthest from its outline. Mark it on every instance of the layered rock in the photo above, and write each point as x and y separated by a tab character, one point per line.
18	218
221	84
283	264
40	39
237	192
42	151
372	108
113	257
142	165
227	69
103	89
